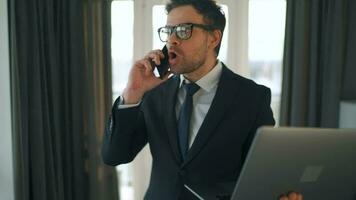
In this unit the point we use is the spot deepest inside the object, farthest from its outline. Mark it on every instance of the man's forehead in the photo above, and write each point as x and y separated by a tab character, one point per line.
184	14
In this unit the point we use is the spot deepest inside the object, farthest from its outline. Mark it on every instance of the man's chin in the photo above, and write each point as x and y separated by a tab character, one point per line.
175	69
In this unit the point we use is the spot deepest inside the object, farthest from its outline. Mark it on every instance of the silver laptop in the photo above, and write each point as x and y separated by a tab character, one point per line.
319	163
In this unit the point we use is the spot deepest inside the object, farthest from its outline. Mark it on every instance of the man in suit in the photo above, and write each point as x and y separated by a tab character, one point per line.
199	123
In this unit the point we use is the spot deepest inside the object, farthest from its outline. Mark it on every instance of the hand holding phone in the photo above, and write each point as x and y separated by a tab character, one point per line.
140	82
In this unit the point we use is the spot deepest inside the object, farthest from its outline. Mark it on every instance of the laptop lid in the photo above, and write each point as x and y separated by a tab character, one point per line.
319	163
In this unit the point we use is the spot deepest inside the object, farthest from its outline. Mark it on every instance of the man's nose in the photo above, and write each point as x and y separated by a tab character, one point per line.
173	40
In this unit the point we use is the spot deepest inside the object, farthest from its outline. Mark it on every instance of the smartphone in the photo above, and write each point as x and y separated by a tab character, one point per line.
163	68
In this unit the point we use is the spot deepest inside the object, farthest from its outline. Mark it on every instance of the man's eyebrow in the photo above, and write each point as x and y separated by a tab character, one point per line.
179	24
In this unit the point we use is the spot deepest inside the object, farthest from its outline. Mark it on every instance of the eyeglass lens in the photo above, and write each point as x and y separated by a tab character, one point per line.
182	32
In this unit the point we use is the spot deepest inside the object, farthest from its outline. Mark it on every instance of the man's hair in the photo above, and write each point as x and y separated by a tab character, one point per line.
212	13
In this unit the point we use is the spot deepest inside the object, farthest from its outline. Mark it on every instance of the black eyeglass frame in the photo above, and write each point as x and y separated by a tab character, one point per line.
173	29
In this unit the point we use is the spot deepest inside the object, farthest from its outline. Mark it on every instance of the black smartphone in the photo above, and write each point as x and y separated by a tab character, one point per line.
163	68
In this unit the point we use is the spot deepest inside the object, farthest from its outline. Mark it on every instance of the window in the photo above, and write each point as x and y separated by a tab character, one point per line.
266	41
122	14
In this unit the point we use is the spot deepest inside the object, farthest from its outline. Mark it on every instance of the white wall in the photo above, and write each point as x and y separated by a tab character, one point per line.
6	162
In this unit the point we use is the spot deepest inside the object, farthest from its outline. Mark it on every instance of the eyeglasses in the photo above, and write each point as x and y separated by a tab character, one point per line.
182	31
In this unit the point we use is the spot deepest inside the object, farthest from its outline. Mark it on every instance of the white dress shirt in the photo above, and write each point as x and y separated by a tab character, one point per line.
202	99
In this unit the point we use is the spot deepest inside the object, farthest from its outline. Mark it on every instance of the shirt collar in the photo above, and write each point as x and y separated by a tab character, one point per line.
209	80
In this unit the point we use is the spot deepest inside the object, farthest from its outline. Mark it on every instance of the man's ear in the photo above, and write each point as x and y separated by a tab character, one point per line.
215	38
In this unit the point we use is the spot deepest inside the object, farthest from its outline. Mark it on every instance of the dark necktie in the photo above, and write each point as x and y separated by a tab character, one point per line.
184	117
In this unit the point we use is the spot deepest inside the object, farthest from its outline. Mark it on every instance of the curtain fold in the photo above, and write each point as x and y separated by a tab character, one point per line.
97	24
61	91
349	80
315	55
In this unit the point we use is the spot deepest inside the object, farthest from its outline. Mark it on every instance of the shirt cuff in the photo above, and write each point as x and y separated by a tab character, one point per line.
121	104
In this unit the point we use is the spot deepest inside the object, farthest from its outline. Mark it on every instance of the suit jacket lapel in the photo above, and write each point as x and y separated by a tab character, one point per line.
225	93
170	121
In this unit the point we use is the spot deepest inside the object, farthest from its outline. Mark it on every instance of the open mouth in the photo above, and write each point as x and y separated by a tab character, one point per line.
172	55
173	58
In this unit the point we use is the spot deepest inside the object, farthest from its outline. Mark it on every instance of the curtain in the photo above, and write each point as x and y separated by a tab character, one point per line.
316	52
349	80
97	25
61	91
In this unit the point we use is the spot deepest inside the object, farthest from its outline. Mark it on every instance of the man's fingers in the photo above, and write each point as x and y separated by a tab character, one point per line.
300	196
283	197
155	56
292	195
146	66
159	52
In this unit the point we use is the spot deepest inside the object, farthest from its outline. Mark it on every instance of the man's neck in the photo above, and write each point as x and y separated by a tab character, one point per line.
202	70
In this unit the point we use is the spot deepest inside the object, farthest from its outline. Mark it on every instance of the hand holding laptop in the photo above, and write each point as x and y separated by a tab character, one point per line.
291	196
317	162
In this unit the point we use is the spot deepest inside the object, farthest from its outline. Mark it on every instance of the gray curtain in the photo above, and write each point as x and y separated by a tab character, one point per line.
61	91
317	58
349	79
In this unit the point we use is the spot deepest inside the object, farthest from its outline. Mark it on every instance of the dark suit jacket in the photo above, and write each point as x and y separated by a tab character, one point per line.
239	107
